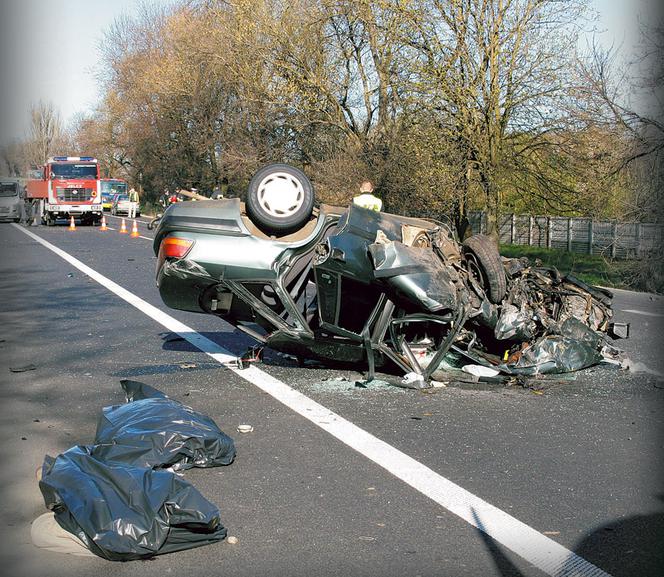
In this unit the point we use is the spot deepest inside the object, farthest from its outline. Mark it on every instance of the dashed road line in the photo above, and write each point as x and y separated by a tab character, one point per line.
536	548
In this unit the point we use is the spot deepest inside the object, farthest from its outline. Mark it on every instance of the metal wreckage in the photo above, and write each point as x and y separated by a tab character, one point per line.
368	288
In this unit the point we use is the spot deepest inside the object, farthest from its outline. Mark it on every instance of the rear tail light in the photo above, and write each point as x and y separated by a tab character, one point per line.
173	247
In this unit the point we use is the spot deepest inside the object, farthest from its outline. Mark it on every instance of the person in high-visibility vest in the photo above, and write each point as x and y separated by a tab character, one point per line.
366	197
133	199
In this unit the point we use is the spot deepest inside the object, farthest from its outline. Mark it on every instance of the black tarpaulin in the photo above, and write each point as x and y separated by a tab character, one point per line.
151	430
123	513
117	497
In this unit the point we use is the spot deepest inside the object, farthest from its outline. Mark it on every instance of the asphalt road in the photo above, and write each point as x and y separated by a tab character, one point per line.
578	461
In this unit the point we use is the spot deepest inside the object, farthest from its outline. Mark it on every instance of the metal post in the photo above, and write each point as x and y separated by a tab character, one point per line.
569	234
549	231
590	236
513	229
530	231
639	250
614	239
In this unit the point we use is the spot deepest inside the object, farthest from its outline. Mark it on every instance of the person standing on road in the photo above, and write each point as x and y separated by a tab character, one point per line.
366	197
133	200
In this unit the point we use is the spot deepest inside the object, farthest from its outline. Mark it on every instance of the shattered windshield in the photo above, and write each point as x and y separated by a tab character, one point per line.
8	189
74	171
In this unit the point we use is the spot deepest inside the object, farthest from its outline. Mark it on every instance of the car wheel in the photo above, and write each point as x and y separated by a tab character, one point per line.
280	199
484	263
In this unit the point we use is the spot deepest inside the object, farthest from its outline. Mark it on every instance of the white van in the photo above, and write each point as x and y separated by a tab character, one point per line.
11	199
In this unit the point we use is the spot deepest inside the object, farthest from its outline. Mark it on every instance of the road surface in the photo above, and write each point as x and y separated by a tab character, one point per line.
335	479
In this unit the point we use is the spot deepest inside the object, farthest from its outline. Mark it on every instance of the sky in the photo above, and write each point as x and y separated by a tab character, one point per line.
50	51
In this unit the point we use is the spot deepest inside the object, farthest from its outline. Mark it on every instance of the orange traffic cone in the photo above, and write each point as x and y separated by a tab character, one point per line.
72	224
103	223
134	231
123	227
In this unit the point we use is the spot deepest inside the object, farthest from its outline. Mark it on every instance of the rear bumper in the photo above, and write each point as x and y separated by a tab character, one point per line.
179	293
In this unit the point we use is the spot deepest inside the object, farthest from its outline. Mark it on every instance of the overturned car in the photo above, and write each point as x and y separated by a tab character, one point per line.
358	286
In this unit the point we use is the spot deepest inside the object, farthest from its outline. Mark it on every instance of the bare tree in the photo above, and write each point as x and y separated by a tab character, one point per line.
495	71
45	131
630	100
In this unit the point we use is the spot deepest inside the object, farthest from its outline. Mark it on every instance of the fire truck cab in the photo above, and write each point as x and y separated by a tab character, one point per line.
69	186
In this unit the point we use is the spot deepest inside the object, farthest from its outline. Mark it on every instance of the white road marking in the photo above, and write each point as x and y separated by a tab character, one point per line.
646	313
531	545
137	220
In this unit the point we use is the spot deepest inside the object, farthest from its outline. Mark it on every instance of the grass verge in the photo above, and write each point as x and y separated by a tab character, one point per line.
592	269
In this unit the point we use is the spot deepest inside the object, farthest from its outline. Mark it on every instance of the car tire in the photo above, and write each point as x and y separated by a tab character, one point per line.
280	199
484	261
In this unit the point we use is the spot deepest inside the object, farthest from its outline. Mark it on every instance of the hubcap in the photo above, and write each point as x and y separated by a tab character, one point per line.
280	194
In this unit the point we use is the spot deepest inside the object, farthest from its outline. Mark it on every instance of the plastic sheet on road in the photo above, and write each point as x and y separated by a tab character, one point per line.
151	430
118	498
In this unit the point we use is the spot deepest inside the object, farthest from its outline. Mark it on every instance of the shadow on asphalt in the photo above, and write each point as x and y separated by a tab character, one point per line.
627	547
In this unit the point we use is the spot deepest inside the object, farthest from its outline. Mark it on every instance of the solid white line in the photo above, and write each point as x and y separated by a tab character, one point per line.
539	550
646	313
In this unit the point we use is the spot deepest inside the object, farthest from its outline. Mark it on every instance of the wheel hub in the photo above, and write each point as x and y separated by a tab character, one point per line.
280	194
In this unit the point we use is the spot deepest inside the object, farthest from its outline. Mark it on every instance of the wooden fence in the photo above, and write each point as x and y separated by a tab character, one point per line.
581	235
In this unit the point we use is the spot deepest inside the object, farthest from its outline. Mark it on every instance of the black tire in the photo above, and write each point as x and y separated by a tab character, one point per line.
280	199
484	262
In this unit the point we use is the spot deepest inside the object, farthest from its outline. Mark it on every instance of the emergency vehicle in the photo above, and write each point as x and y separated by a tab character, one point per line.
109	188
69	186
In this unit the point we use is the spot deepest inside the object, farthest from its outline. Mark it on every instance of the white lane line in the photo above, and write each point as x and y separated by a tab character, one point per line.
646	313
531	545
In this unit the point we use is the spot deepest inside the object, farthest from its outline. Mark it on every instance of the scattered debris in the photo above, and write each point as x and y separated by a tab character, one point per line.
252	355
244	428
187	365
480	370
22	369
232	540
171	337
638	367
414	380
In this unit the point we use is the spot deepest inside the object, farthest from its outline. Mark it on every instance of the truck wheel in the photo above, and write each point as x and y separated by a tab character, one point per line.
484	264
280	199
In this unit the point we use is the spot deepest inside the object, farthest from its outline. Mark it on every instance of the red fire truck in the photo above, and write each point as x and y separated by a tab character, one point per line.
69	186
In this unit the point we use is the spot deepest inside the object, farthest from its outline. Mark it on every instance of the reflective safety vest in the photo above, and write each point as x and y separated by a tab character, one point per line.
369	201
